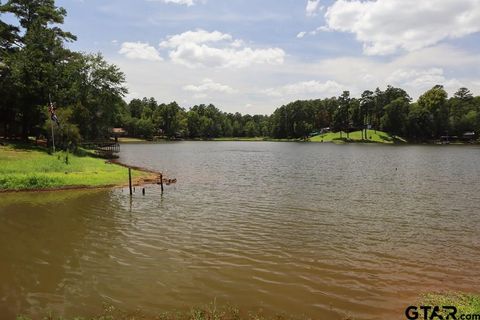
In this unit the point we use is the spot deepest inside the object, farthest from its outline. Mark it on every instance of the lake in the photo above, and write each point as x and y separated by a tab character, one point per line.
322	230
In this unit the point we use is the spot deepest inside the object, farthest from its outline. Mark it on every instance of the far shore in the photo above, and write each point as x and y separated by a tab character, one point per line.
372	136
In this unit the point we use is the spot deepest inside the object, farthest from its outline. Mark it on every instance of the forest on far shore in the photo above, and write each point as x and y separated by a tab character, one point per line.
89	95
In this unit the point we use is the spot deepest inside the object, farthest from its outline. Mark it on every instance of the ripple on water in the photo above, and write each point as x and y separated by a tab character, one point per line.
313	229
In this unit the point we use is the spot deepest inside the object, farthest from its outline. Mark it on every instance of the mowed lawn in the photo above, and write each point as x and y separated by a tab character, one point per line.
356	136
30	169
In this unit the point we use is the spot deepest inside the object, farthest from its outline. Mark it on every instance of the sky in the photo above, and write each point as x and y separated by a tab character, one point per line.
252	56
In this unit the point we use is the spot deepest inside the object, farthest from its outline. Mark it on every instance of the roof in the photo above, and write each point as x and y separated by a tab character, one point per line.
118	130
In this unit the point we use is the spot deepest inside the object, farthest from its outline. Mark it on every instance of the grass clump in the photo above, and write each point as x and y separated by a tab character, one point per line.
209	312
28	168
467	304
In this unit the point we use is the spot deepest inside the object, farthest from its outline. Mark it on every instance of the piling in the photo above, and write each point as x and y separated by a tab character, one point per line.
130	180
161	181
143	191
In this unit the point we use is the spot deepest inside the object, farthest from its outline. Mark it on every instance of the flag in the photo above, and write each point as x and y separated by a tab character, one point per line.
53	115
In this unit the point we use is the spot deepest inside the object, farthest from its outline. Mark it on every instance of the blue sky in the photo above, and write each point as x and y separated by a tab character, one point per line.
253	56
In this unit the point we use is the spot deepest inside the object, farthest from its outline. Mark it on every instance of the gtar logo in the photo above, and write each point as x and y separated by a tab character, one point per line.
431	313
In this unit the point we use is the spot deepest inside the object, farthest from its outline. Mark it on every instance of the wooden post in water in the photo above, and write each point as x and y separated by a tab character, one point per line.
143	191
161	181
130	180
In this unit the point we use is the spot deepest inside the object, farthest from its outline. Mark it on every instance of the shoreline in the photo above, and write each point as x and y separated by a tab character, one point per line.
335	141
141	181
26	169
340	142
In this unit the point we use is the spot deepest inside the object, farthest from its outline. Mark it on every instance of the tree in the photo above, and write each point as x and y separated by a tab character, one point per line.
395	116
8	37
342	115
33	66
435	102
136	108
463	94
168	117
193	124
367	104
251	129
97	91
419	123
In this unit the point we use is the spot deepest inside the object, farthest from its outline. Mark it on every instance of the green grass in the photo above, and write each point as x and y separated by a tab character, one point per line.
239	139
29	168
130	140
255	139
465	303
210	312
356	136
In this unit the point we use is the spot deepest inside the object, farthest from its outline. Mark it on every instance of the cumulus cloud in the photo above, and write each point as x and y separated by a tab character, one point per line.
415	71
208	85
385	26
312	7
306	89
216	49
197	37
140	50
422	78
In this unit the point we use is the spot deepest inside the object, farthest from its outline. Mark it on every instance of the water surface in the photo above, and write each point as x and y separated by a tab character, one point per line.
295	228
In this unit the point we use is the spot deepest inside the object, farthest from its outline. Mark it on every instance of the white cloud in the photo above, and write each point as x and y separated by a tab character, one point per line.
197	37
266	87
313	32
422	78
306	89
188	3
385	26
312	7
301	34
216	49
209	85
140	50
415	71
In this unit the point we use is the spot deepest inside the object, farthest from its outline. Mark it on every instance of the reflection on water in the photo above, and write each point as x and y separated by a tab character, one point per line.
313	229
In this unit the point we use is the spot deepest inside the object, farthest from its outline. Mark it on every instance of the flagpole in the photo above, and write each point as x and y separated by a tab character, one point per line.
51	122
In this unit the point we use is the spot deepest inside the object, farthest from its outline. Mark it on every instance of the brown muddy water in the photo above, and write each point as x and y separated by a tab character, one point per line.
320	230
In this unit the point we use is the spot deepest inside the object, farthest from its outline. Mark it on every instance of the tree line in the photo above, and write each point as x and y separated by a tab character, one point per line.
432	116
36	68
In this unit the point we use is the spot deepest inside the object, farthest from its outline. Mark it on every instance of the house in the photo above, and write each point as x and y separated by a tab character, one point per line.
469	136
118	132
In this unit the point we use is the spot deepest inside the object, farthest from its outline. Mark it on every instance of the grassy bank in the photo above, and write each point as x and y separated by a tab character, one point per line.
239	139
131	140
465	303
356	136
23	167
210	312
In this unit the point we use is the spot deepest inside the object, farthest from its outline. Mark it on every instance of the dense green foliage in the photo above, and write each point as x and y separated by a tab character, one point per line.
431	117
145	118
35	66
89	92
